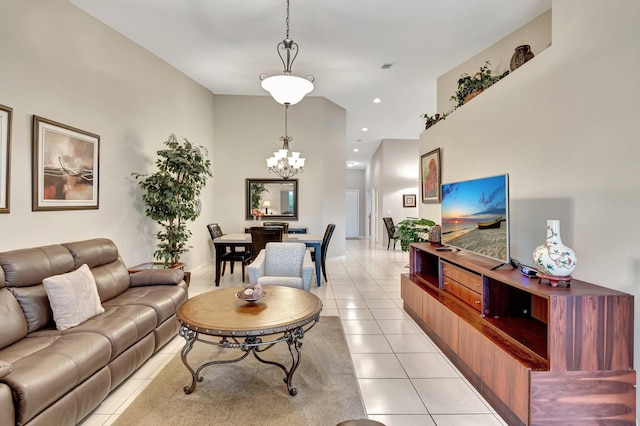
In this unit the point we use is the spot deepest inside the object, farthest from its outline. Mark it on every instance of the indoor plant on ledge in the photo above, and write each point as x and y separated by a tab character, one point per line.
471	86
170	195
413	231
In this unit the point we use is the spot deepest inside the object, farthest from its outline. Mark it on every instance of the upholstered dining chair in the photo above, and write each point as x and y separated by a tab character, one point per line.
391	232
231	256
285	264
323	248
285	225
261	235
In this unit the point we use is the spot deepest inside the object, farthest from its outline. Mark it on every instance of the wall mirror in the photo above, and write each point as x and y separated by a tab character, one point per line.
274	198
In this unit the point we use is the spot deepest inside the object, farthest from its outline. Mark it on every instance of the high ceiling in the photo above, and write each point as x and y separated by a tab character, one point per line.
226	44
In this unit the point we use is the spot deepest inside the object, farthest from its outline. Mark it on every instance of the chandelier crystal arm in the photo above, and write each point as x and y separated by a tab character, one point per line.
285	163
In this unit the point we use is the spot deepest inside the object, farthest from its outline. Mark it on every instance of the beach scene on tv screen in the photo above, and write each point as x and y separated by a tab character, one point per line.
474	216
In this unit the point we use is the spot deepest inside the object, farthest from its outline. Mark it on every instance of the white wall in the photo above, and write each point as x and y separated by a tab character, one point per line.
565	127
394	170
247	131
59	63
536	34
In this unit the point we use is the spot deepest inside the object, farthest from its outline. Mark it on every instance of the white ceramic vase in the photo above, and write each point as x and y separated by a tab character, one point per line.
554	258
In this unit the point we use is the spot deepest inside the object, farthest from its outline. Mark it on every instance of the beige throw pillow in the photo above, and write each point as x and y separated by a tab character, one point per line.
73	297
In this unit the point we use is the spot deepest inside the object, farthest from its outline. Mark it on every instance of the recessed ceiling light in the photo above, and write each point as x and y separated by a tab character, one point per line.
355	150
364	129
376	101
351	163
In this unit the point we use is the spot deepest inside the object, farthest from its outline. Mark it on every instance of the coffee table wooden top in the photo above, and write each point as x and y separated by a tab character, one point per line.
221	313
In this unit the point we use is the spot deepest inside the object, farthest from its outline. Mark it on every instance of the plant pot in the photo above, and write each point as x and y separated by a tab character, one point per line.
472	95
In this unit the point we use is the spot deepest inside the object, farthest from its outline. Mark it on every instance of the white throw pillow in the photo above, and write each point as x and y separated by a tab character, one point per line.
73	297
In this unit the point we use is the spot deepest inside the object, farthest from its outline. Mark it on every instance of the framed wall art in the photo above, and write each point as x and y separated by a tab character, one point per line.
5	157
430	176
408	200
65	167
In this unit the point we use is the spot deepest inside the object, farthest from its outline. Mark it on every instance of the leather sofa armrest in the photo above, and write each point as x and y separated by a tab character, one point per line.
5	369
157	277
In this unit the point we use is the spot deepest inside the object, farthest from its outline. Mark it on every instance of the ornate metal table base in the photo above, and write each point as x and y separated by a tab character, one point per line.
251	344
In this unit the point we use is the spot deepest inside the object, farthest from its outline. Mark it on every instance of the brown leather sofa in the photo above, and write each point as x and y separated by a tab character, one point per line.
53	377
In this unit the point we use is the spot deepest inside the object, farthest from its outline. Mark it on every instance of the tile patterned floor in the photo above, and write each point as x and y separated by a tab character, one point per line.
404	378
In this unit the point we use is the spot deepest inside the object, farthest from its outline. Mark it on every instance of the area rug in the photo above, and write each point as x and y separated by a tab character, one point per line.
251	393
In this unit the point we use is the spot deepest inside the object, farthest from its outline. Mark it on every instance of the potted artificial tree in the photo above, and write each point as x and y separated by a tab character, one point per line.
170	195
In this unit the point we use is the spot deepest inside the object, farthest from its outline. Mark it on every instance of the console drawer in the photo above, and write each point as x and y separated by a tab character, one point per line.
463	293
468	279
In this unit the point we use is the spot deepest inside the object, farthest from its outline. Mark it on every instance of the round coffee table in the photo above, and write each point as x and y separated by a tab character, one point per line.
280	316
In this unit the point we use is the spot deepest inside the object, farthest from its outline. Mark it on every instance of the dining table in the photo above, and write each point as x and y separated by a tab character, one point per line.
231	241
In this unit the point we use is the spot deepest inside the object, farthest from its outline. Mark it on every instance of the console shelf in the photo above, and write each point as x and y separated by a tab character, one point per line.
538	354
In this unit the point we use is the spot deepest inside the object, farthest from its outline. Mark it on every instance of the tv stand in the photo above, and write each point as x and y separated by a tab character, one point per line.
538	354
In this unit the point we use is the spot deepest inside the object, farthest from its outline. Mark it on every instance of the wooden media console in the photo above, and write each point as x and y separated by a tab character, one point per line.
538	354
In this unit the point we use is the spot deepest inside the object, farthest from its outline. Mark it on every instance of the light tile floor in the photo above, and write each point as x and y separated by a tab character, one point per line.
404	378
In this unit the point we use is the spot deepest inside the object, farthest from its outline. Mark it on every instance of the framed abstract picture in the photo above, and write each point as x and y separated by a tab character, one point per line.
408	200
65	167
430	176
5	157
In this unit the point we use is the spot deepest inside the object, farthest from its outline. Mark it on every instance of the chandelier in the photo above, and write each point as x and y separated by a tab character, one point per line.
287	88
285	163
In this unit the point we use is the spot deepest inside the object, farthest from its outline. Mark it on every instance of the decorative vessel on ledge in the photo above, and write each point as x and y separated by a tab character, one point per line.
520	56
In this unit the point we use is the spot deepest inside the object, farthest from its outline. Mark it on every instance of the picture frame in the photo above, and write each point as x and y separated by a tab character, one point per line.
430	176
408	200
65	167
6	115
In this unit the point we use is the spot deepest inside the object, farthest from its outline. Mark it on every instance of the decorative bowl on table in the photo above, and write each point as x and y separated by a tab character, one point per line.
251	293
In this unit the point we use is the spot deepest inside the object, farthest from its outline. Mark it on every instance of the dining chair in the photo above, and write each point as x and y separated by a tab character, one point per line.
261	235
231	256
285	226
323	248
391	231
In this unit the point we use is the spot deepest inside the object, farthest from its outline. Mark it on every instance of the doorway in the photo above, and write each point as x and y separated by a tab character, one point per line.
352	207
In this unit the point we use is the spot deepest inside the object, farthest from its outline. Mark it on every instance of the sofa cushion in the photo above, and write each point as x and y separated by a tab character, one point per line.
73	297
35	305
46	368
112	279
109	271
164	299
122	326
5	368
12	320
27	267
95	252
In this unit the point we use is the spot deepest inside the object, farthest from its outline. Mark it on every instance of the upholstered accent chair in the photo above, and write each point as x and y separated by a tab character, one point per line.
391	232
232	255
325	246
285	264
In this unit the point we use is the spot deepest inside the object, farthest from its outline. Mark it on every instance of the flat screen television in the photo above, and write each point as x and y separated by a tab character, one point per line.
475	216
